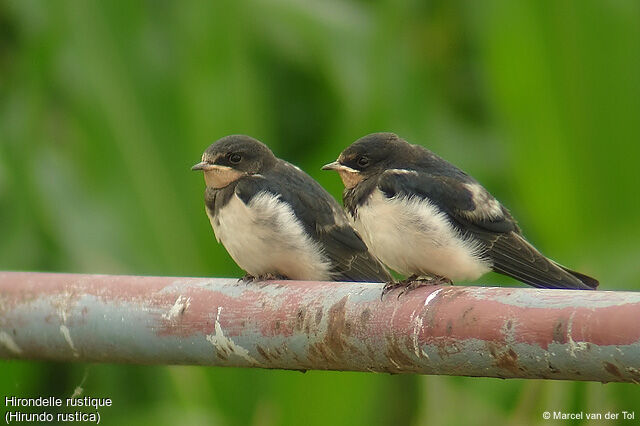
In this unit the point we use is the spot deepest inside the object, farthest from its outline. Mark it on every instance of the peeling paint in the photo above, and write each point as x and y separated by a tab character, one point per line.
431	296
67	337
226	345
509	331
7	341
572	344
473	331
179	307
415	335
63	303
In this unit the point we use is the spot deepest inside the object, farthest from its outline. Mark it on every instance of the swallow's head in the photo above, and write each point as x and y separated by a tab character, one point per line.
368	156
233	157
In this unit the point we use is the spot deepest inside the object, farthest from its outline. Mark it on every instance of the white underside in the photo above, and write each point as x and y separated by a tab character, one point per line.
412	236
266	237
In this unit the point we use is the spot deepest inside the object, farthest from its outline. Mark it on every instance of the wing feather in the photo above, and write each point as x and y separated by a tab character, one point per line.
323	219
475	213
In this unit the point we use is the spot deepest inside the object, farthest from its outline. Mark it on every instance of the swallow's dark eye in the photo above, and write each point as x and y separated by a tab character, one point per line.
235	158
363	161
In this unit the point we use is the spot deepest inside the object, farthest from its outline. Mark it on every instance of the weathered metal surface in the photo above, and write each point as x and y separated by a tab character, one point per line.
469	331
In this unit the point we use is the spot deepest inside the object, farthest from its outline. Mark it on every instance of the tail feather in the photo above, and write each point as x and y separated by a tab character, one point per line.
512	255
585	279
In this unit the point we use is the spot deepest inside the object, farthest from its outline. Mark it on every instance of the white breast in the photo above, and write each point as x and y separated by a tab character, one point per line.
266	237
412	236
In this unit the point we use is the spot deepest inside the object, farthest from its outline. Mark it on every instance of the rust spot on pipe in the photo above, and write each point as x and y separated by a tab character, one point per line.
397	356
343	326
635	373
364	317
505	358
334	339
466	313
300	319
262	353
612	369
560	331
318	315
446	346
347	328
335	347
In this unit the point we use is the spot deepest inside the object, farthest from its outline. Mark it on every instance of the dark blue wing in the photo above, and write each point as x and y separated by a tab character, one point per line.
475	213
323	219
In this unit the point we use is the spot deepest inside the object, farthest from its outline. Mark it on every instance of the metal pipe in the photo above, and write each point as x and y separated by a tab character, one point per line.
452	330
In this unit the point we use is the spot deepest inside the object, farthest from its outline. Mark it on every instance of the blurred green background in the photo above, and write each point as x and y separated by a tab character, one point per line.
104	106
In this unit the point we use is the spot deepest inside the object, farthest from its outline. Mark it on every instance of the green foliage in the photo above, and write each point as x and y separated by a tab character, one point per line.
104	106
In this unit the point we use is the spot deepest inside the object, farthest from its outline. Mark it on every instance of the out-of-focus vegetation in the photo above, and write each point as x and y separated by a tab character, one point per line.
104	106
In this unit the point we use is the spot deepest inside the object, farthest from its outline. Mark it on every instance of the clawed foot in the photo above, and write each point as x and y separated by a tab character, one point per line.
392	285
271	277
388	287
414	282
439	280
248	278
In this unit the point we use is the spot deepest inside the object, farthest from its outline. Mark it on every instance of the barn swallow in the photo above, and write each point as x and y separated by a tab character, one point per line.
422	216
276	222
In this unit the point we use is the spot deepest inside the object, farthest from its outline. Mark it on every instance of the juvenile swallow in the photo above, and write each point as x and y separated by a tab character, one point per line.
276	221
422	216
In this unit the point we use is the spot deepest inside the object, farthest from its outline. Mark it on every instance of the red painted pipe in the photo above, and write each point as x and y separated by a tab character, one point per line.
469	331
